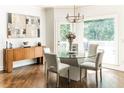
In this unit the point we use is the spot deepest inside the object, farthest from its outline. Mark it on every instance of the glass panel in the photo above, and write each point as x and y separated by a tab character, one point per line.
101	29
64	29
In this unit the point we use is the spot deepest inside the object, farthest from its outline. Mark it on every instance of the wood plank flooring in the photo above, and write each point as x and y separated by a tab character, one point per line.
33	76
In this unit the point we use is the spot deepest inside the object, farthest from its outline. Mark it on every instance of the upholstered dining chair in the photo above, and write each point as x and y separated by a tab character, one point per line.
97	65
46	50
92	50
53	65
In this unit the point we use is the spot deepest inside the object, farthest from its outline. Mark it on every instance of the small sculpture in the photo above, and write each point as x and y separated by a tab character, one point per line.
39	44
25	44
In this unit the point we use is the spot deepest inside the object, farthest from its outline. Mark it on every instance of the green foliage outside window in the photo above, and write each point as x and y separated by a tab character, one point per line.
99	30
64	29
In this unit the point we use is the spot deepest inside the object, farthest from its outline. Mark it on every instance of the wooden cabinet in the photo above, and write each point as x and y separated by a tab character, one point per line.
16	54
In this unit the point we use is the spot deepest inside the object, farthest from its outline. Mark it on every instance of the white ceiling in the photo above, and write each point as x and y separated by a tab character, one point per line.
62	6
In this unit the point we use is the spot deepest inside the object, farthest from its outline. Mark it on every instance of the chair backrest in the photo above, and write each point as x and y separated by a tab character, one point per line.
51	60
99	58
92	50
46	50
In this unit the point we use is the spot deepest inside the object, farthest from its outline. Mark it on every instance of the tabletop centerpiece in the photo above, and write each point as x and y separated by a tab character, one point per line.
70	36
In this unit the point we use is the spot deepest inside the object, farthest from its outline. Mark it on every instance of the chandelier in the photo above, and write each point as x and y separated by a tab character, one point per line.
74	18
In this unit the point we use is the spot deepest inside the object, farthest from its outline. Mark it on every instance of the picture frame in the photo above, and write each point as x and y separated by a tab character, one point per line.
23	26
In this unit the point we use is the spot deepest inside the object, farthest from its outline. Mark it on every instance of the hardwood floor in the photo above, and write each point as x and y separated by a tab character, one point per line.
33	77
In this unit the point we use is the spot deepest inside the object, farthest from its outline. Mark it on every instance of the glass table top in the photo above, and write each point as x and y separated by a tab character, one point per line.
74	55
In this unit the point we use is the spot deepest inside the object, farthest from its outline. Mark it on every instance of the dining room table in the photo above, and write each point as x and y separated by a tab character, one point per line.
74	59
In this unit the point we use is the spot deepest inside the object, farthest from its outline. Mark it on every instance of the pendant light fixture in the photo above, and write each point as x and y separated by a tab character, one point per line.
76	18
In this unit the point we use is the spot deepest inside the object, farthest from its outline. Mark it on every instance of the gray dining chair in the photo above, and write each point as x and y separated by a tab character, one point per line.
53	65
46	50
97	65
92	50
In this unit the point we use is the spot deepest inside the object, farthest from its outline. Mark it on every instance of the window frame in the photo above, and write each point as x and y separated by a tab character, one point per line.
116	37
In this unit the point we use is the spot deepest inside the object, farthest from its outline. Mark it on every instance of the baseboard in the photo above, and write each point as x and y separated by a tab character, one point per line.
114	67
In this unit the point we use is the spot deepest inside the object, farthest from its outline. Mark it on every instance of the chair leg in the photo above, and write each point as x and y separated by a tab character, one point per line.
101	74
47	76
57	80
45	67
68	76
86	73
80	75
96	78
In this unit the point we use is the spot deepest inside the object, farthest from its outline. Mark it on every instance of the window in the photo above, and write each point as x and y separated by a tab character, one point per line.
99	30
64	29
103	32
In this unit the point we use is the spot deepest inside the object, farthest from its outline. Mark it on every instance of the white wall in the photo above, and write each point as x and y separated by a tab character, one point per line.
17	42
50	28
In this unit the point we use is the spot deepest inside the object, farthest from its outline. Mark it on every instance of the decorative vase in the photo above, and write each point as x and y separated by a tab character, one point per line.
70	36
